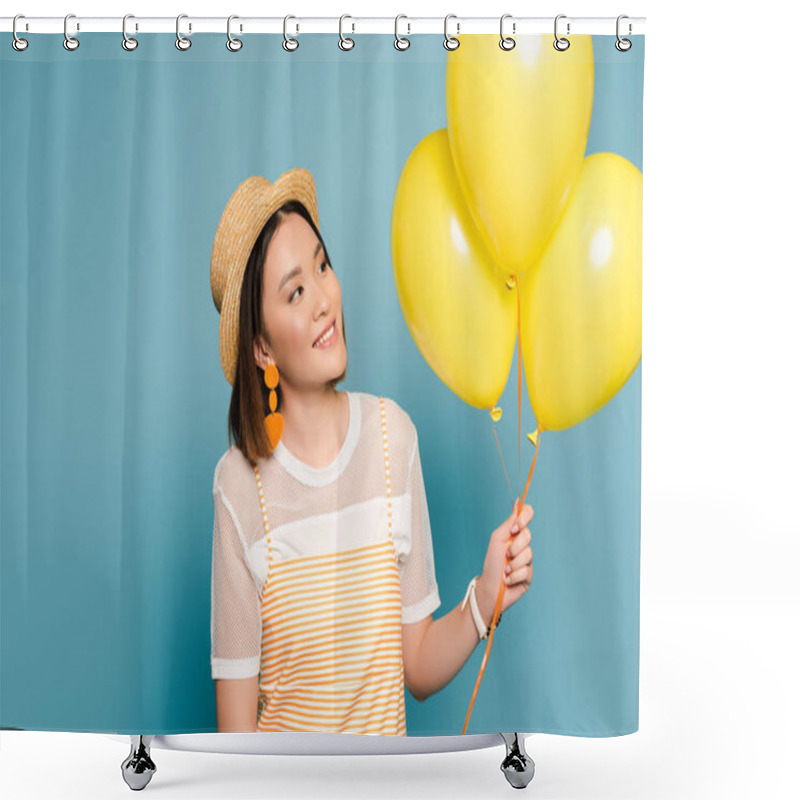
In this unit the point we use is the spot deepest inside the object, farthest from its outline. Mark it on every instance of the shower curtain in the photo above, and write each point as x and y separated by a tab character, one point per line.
481	209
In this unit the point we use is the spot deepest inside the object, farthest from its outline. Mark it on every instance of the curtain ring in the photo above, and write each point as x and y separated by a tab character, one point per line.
450	42
128	42
181	42
289	43
70	42
233	44
400	42
18	43
623	44
506	42
560	42
345	42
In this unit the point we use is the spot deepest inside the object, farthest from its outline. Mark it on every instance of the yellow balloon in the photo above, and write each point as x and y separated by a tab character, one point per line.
461	317
581	312
518	121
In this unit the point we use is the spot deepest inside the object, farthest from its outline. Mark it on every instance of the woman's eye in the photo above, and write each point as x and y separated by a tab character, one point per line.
323	264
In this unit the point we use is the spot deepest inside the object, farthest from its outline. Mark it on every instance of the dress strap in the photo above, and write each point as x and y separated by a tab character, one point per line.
386	463
264	514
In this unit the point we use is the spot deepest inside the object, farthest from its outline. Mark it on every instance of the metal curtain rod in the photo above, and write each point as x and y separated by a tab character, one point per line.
351	24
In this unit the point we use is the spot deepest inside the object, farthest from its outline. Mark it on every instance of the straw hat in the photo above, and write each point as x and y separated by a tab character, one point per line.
249	207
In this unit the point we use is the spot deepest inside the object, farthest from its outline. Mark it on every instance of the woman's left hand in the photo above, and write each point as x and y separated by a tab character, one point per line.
520	562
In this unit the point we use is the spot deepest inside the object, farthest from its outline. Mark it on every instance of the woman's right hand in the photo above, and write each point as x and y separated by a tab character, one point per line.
506	547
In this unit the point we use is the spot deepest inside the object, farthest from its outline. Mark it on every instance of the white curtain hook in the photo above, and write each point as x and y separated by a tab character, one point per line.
181	42
18	43
233	44
451	42
128	42
506	42
401	42
345	42
560	42
70	42
290	44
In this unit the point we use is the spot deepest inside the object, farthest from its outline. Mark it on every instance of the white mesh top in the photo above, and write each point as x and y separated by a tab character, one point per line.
313	511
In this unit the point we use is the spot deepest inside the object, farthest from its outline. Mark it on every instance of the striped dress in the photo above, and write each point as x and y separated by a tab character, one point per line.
331	645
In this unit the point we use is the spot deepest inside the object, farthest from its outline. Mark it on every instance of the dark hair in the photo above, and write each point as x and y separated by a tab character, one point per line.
250	395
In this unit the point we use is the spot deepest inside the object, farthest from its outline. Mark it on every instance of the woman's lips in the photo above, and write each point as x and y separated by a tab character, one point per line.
334	335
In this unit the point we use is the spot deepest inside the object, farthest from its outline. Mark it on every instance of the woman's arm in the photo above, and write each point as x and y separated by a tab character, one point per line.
435	650
237	704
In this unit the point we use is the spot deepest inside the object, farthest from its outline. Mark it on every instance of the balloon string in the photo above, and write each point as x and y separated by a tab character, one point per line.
519	393
502	460
518	503
500	595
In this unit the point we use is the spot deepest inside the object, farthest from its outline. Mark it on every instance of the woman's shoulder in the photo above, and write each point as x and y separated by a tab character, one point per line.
397	418
233	469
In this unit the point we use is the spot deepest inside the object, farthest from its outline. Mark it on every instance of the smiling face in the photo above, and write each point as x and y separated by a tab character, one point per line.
301	308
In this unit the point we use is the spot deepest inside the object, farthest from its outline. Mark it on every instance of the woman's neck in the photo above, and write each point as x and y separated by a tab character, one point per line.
315	425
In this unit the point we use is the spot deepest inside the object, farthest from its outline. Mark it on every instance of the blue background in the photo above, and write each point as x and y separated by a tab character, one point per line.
115	169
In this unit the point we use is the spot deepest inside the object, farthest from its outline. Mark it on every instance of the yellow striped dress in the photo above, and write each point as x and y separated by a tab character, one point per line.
331	644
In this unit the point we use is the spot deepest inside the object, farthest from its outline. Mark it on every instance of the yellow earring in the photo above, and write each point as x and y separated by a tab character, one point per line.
273	422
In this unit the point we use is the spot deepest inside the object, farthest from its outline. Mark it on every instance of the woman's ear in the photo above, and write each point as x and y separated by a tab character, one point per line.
260	352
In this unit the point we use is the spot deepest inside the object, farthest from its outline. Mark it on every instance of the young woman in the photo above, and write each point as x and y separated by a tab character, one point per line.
323	580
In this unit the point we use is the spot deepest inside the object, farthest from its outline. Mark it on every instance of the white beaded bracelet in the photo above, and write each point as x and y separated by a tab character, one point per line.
476	614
